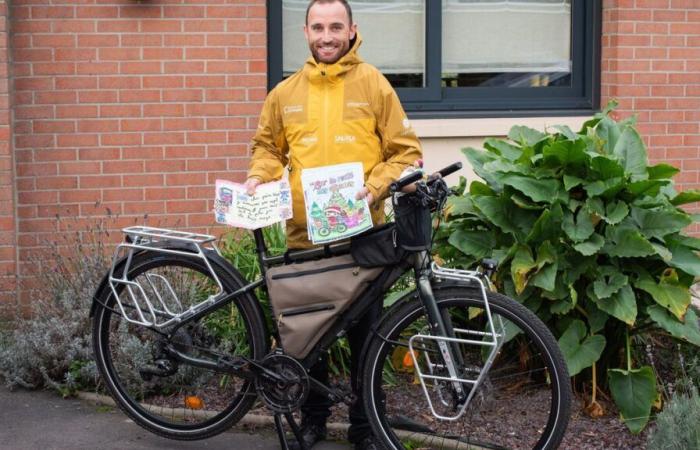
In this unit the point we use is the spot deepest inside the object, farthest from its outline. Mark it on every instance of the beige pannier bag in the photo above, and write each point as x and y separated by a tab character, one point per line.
307	297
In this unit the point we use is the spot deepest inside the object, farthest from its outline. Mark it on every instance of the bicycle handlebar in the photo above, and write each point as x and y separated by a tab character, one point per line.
416	176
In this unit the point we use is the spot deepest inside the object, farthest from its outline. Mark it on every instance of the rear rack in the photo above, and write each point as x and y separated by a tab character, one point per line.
152	301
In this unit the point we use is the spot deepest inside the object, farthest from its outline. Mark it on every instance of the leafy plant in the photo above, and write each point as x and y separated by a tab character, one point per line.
677	425
587	235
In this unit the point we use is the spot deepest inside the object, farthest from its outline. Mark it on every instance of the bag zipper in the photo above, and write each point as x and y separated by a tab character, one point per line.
306	310
281	276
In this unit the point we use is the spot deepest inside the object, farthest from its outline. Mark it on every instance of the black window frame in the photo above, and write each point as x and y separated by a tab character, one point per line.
434	101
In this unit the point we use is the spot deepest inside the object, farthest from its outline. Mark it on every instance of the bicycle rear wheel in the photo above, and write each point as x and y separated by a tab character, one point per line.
168	398
522	402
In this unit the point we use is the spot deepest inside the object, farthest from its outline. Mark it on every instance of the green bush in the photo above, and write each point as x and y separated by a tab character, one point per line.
677	425
587	235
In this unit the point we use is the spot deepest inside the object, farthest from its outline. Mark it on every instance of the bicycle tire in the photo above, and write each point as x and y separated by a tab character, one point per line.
529	376
193	403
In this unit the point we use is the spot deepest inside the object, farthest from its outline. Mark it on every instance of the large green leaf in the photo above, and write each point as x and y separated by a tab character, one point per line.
605	168
609	132
521	266
547	226
545	190
684	257
671	295
457	206
605	187
477	159
476	243
615	212
632	153
596	317
478	188
622	305
662	171
688	329
525	136
567	153
590	246
627	243
503	148
580	350
498	211
571	182
579	226
634	392
546	277
686	197
610	280
659	223
645	188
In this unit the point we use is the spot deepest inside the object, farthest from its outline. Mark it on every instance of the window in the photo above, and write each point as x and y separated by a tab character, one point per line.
462	58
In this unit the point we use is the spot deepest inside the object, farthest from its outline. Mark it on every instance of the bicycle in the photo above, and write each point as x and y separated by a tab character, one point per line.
184	346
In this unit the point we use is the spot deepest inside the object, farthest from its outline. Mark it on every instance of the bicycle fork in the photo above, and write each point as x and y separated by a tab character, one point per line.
444	334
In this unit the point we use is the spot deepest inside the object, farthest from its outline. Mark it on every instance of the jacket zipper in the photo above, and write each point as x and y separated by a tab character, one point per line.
281	276
324	117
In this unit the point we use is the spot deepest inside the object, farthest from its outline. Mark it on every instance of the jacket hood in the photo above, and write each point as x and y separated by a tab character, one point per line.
344	64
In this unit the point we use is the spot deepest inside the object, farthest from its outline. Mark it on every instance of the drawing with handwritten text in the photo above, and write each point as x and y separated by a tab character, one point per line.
332	213
271	203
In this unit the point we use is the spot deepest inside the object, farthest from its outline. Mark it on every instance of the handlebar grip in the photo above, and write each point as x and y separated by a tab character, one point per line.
405	181
452	168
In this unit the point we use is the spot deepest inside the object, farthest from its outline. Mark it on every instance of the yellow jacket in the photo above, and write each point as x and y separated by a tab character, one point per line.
333	114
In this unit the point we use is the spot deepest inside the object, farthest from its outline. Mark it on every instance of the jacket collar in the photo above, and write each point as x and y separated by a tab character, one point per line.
317	71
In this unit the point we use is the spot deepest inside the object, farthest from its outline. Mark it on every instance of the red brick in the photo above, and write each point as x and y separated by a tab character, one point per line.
97	68
181	40
53	126
100	181
94	12
74	83
33	54
189	11
207	165
144	180
226	151
139	96
140	67
185	179
116	26
120	111
37	198
176	207
183	67
204	137
120	139
76	111
60	182
196	26
190	151
205	81
98	126
55	97
161	26
127	167
226	39
684	78
119	54
120	82
98	153
140	11
183	124
144	207
109	195
225	123
79	196
141	125
142	40
34	141
661	15
76	140
226	12
73	26
183	95
36	83
164	81
98	40
165	193
52	12
174	165
162	54
98	97
65	68
38	170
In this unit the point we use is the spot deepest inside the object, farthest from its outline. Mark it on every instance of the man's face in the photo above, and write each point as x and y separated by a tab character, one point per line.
329	32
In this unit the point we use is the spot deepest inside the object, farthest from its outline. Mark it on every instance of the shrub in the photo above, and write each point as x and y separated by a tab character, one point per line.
677	425
51	346
588	236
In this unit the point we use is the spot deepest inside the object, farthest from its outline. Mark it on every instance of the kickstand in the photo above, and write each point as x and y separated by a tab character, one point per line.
295	429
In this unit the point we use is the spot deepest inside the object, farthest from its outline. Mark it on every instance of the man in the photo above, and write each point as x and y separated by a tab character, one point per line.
336	109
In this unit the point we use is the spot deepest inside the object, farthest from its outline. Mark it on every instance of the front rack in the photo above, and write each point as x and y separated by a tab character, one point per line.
489	338
152	301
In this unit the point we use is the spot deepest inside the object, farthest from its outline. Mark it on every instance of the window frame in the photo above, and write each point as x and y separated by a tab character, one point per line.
435	101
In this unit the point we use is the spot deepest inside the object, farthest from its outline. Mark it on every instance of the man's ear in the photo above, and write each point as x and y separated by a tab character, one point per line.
353	31
306	32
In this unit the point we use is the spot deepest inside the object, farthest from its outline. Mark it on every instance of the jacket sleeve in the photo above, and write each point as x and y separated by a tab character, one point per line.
269	146
400	146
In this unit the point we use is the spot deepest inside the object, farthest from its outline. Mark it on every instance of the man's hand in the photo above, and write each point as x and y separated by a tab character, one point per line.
251	184
366	194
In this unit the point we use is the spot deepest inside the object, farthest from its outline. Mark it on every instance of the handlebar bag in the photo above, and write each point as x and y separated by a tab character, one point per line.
413	223
307	297
377	247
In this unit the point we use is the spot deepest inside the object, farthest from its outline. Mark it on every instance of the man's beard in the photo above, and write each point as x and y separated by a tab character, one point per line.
332	60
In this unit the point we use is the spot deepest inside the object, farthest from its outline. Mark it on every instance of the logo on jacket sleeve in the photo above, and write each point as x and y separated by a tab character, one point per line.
290	109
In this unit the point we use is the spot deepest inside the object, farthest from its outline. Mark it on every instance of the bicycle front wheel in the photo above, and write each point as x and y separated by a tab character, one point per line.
522	400
168	397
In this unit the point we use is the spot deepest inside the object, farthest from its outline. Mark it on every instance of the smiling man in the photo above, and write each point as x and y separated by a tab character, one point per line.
336	109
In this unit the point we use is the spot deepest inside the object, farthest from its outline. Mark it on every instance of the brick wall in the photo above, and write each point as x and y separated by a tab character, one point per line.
134	106
651	64
8	249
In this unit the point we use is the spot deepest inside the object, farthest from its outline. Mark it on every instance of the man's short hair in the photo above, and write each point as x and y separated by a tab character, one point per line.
343	2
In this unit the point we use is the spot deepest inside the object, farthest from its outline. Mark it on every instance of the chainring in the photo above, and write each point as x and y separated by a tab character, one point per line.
284	395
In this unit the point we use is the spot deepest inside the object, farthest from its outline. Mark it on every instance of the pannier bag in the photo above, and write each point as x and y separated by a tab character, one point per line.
413	223
307	297
377	247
